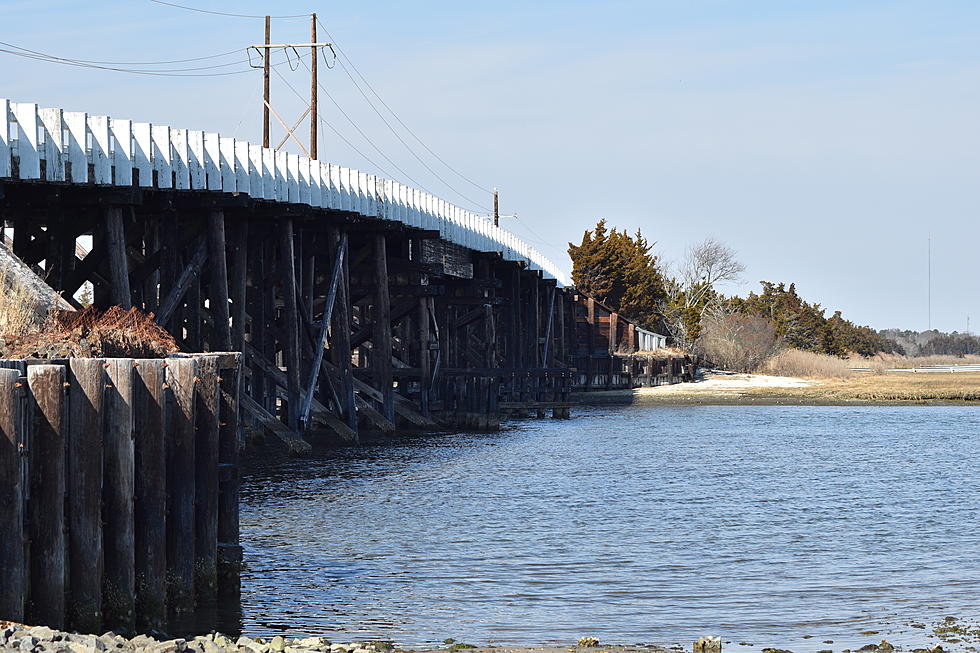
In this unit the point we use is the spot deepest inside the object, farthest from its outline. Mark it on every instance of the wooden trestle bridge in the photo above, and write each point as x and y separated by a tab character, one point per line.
357	301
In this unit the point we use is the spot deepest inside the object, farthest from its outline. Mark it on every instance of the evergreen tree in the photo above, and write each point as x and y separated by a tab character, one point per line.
619	271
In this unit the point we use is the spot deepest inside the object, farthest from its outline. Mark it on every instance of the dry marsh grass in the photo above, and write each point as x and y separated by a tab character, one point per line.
806	364
894	387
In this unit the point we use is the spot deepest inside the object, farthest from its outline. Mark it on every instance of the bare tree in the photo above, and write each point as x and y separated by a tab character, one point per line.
692	293
740	343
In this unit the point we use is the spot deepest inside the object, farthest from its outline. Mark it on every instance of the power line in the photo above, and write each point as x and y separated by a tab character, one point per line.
363	135
334	129
407	147
158	72
222	13
158	63
390	110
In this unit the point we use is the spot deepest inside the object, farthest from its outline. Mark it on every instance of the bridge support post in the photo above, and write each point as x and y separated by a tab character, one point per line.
340	345
291	322
381	343
115	230
219	282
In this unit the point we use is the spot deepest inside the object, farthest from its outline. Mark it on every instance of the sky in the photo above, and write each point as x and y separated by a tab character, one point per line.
826	142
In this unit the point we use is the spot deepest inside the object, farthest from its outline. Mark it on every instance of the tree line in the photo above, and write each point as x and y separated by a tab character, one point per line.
683	301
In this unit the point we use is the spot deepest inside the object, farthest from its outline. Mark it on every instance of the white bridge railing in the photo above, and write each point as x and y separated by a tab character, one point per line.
126	153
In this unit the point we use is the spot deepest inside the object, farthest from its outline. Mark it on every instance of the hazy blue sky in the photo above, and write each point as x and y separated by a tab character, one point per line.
822	140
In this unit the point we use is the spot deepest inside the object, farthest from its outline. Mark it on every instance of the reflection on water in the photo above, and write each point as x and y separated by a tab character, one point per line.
632	524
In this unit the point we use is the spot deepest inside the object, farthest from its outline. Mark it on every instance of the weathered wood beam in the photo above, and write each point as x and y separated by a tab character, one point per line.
119	289
381	342
218	290
287	269
190	273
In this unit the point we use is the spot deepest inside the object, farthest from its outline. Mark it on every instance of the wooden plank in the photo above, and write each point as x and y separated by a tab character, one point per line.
101	156
13	562
295	444
163	155
316	197
28	153
206	481
54	145
77	124
303	180
143	153
6	162
197	160
218	265
256	178
212	161
150	504
242	176
118	262
181	377
281	185
226	147
119	581
367	411
122	157
292	178
268	174
229	476
187	276
180	158
47	489
86	398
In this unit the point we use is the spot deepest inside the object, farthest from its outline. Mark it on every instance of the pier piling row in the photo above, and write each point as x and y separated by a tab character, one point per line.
118	489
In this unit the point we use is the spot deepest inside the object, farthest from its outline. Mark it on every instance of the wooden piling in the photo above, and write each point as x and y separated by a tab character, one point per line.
87	379
182	375
229	559
206	480
13	562
119	581
47	506
118	262
150	507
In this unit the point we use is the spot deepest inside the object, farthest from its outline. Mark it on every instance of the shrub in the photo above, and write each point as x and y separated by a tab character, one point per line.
739	342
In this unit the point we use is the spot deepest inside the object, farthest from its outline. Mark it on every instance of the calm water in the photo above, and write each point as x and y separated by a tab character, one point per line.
633	524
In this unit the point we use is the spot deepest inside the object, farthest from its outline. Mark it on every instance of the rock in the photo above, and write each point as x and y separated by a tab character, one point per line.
363	650
278	644
708	644
338	647
869	647
885	647
588	641
776	650
315	643
45	634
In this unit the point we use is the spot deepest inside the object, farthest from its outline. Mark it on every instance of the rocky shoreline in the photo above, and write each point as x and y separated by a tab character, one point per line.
21	638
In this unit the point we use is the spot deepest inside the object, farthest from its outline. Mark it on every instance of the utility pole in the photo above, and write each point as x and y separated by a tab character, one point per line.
265	49
265	84
313	87
496	209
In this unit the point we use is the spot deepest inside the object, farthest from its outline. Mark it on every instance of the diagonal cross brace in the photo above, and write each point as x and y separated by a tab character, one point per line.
338	266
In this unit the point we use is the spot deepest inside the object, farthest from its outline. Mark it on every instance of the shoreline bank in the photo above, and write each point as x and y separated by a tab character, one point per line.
946	636
730	389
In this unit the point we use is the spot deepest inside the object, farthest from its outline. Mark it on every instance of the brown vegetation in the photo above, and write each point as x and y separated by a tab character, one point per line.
894	387
90	334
